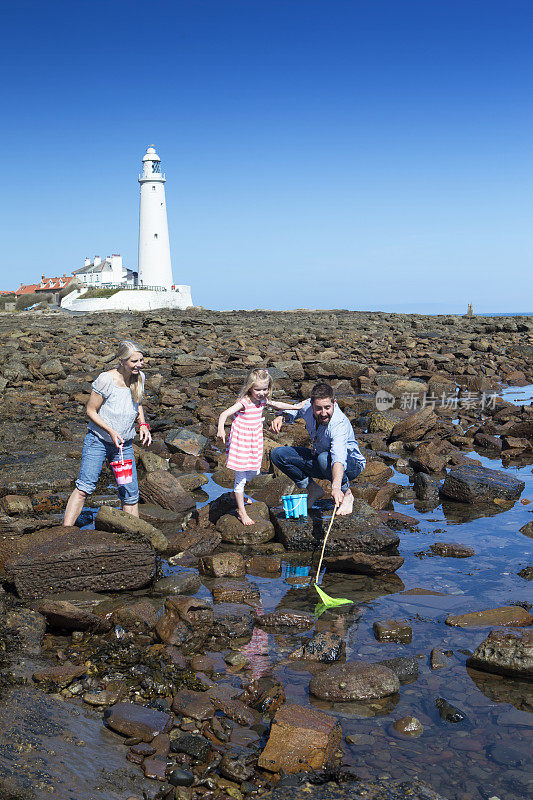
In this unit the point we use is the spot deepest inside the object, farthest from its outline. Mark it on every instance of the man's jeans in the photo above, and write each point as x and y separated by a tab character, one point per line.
300	464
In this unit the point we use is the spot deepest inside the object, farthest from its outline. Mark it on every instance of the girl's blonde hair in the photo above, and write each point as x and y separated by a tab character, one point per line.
256	374
124	351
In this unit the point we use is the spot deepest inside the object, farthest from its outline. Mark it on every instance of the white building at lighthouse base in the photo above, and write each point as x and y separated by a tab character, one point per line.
130	300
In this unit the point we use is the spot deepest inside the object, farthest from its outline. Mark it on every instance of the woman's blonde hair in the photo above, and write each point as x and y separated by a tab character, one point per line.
256	374
124	351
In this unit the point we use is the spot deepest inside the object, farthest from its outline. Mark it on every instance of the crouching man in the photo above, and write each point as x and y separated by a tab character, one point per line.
335	454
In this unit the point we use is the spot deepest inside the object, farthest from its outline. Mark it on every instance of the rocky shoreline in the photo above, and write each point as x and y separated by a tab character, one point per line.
154	637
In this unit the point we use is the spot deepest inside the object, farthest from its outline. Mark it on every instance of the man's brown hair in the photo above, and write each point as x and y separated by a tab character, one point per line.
322	391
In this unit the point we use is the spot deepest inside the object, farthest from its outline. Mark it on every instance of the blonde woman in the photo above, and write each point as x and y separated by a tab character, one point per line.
245	441
113	407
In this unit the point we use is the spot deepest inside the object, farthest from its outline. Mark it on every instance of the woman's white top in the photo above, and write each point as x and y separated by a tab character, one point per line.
119	410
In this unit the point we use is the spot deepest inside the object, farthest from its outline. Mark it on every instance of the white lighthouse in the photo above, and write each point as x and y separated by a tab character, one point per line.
156	288
155	269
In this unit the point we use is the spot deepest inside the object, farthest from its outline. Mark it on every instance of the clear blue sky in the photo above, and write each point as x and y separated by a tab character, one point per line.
357	154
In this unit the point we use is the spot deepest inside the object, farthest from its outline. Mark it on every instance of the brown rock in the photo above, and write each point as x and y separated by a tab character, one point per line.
232	530
29	628
61	614
384	496
264	694
409	726
183	614
451	550
185	441
60	675
414	426
301	739
131	719
16	504
507	616
437	659
355	680
155	767
223	564
376	473
114	519
324	646
191	480
137	616
193	704
236	710
195	541
259	565
235	591
284	618
164	489
391	630
505	653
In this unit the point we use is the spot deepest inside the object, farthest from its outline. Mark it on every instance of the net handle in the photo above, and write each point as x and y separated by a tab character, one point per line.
324	543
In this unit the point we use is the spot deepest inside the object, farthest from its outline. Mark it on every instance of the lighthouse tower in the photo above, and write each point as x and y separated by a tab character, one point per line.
155	269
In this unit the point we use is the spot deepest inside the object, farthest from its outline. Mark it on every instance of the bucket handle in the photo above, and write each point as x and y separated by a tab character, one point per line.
296	506
121	454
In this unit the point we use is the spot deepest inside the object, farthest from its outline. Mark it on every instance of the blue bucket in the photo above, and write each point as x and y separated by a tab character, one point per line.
294	505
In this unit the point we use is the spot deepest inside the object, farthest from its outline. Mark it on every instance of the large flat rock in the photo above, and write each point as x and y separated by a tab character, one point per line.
473	484
506	616
66	559
348	534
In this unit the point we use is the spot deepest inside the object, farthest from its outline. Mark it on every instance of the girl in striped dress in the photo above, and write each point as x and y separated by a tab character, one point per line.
244	447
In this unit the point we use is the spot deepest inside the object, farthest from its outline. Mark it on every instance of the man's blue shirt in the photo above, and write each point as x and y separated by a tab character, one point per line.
337	437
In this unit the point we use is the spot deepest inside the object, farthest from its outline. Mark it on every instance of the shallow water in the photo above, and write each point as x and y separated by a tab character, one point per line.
488	754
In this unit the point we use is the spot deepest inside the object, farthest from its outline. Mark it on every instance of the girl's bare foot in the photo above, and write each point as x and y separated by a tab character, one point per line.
248	502
245	519
346	507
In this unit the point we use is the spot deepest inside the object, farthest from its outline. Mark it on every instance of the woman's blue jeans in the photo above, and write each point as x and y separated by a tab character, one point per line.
300	464
95	452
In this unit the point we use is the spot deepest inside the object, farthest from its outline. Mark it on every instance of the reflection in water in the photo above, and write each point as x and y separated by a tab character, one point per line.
258	654
362	709
504	690
464	512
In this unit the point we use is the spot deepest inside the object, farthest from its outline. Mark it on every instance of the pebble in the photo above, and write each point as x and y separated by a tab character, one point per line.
180	777
409	726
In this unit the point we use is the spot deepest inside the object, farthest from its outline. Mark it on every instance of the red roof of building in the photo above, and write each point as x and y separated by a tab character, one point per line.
53	284
46	285
30	289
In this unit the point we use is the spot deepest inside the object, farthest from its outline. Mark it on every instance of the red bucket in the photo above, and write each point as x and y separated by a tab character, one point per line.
123	469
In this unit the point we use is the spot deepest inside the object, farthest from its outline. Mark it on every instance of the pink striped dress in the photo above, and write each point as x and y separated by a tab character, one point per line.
244	447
